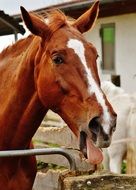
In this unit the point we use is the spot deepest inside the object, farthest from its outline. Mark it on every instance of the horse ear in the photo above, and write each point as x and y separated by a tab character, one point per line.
36	25
87	20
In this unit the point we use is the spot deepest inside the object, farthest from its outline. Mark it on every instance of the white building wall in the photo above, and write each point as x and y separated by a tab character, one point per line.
125	47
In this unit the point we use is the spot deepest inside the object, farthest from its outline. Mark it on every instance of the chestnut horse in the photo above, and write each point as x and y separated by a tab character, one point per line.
54	68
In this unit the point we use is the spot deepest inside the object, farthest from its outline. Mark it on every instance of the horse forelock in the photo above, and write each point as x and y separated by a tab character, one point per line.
55	19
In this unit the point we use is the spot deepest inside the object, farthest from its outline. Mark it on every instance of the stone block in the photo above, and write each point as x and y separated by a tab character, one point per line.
57	135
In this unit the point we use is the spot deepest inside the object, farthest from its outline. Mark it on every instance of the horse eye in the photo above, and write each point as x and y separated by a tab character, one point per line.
58	60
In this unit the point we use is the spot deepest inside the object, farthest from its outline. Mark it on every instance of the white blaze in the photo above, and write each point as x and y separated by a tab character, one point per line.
79	49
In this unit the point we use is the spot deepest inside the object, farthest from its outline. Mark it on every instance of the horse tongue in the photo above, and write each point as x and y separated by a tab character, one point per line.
94	154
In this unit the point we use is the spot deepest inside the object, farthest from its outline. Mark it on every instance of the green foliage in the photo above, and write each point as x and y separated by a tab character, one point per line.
41	165
123	168
55	167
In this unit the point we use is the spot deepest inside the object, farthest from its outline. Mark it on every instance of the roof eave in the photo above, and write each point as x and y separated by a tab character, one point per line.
76	8
9	25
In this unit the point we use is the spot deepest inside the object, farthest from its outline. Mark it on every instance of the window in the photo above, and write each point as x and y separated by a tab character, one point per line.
107	33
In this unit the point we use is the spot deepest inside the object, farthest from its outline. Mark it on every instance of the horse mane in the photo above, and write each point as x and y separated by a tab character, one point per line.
16	47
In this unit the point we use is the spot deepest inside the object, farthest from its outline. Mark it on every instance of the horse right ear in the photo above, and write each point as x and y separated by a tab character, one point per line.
36	25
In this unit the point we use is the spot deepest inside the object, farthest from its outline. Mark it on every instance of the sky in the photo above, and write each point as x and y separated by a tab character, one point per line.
12	7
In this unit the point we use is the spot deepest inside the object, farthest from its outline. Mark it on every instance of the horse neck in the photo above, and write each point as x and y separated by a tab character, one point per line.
29	122
21	111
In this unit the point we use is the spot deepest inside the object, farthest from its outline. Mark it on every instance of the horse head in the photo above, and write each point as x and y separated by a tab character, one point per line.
67	80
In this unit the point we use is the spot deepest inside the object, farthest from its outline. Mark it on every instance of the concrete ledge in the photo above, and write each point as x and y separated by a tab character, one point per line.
100	182
63	180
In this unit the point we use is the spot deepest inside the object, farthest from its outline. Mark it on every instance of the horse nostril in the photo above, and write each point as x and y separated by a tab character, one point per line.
94	125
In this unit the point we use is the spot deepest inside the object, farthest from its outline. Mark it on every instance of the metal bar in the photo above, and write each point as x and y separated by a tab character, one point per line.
42	151
15	35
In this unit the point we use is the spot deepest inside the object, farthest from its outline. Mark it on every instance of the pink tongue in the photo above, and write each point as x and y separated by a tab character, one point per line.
94	155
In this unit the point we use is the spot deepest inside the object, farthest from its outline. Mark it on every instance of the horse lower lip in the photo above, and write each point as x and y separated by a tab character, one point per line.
82	145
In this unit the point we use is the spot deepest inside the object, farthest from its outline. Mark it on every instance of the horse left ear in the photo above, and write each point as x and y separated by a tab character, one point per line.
87	20
34	23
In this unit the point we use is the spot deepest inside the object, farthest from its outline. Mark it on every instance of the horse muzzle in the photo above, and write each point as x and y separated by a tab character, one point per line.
92	140
99	137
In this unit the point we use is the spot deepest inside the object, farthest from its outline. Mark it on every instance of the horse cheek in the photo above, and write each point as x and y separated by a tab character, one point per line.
48	91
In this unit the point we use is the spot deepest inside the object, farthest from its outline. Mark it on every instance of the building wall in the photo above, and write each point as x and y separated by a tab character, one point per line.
125	48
